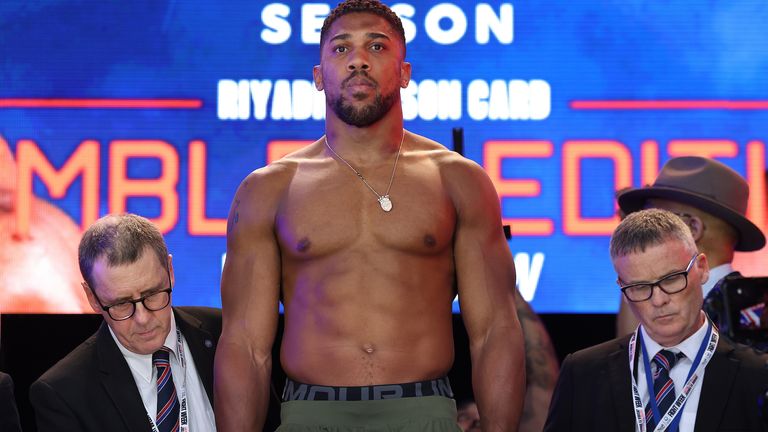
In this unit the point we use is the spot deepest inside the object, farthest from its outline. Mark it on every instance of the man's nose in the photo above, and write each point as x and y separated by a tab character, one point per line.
358	60
659	297
142	314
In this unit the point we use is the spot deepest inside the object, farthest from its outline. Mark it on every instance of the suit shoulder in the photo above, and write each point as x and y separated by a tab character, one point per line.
70	370
205	314
749	357
208	319
5	379
601	352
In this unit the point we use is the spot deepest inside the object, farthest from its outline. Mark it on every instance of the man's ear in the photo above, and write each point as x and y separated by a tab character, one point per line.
170	270
91	298
703	265
405	74
318	77
697	227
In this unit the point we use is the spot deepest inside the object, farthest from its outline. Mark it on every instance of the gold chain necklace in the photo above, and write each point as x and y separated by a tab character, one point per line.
384	200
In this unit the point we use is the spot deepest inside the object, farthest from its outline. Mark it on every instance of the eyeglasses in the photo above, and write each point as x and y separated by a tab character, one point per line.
153	301
670	284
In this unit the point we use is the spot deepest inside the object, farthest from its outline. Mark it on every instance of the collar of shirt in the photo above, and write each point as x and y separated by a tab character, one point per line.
715	274
679	373
689	347
142	363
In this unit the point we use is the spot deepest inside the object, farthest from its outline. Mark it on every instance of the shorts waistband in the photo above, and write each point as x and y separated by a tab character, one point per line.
299	391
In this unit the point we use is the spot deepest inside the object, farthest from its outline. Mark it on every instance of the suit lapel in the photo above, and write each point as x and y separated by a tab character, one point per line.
202	346
716	388
118	382
621	385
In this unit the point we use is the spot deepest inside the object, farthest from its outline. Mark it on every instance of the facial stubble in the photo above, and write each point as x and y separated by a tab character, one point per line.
368	114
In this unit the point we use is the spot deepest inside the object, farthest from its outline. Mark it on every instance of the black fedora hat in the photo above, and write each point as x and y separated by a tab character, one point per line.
707	185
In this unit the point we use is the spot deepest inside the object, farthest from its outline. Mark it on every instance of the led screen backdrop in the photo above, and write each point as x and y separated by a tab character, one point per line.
163	107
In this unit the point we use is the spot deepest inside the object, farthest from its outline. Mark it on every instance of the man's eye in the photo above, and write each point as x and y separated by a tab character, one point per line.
340	49
121	305
377	47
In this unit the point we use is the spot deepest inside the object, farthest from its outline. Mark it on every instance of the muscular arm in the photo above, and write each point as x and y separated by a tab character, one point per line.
486	281
249	293
541	367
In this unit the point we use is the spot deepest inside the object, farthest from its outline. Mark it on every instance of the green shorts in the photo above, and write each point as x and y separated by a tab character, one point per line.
411	414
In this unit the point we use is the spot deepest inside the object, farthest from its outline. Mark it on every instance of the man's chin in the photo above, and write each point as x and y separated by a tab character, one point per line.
148	342
360	121
666	335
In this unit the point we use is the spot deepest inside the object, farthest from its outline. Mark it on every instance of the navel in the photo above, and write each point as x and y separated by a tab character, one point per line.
368	348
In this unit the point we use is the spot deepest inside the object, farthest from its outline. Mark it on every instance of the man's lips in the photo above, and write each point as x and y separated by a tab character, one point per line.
145	333
358	79
665	316
358	83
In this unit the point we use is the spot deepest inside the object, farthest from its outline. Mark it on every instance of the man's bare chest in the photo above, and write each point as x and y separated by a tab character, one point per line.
321	215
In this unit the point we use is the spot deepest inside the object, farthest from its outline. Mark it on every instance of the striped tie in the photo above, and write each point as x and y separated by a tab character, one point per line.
663	387
167	419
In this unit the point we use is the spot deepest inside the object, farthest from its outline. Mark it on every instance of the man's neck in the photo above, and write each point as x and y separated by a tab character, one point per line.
365	145
668	343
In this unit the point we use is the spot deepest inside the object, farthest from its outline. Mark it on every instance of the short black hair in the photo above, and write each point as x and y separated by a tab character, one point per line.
366	6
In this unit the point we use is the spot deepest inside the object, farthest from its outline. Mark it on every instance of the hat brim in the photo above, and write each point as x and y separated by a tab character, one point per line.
750	236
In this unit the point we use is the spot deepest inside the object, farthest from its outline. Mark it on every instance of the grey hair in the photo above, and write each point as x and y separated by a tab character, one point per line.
121	239
646	228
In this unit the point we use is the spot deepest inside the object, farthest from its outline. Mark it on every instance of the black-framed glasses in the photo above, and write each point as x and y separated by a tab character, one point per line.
153	301
670	284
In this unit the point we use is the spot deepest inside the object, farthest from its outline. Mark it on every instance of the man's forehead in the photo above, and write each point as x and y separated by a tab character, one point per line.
366	23
146	265
654	261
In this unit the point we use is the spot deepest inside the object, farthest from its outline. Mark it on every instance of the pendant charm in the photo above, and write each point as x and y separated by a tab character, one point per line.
385	203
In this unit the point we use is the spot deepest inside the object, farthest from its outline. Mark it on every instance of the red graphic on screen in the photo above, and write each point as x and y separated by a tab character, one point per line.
39	270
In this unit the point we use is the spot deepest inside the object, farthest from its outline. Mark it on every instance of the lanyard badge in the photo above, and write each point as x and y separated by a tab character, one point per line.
671	419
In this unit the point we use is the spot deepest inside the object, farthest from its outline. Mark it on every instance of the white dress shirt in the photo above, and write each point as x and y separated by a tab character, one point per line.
201	417
679	373
715	274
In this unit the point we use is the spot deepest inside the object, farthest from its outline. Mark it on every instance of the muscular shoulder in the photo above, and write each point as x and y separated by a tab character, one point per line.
259	194
277	175
467	184
426	148
267	181
459	174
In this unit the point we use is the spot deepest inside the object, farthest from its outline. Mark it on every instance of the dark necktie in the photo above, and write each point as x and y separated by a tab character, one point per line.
167	419
663	387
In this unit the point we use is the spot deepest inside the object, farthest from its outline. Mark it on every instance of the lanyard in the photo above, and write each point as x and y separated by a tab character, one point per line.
183	407
671	418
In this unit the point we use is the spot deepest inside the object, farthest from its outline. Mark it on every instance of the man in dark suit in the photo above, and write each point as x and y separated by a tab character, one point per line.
675	369
149	366
9	415
711	198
